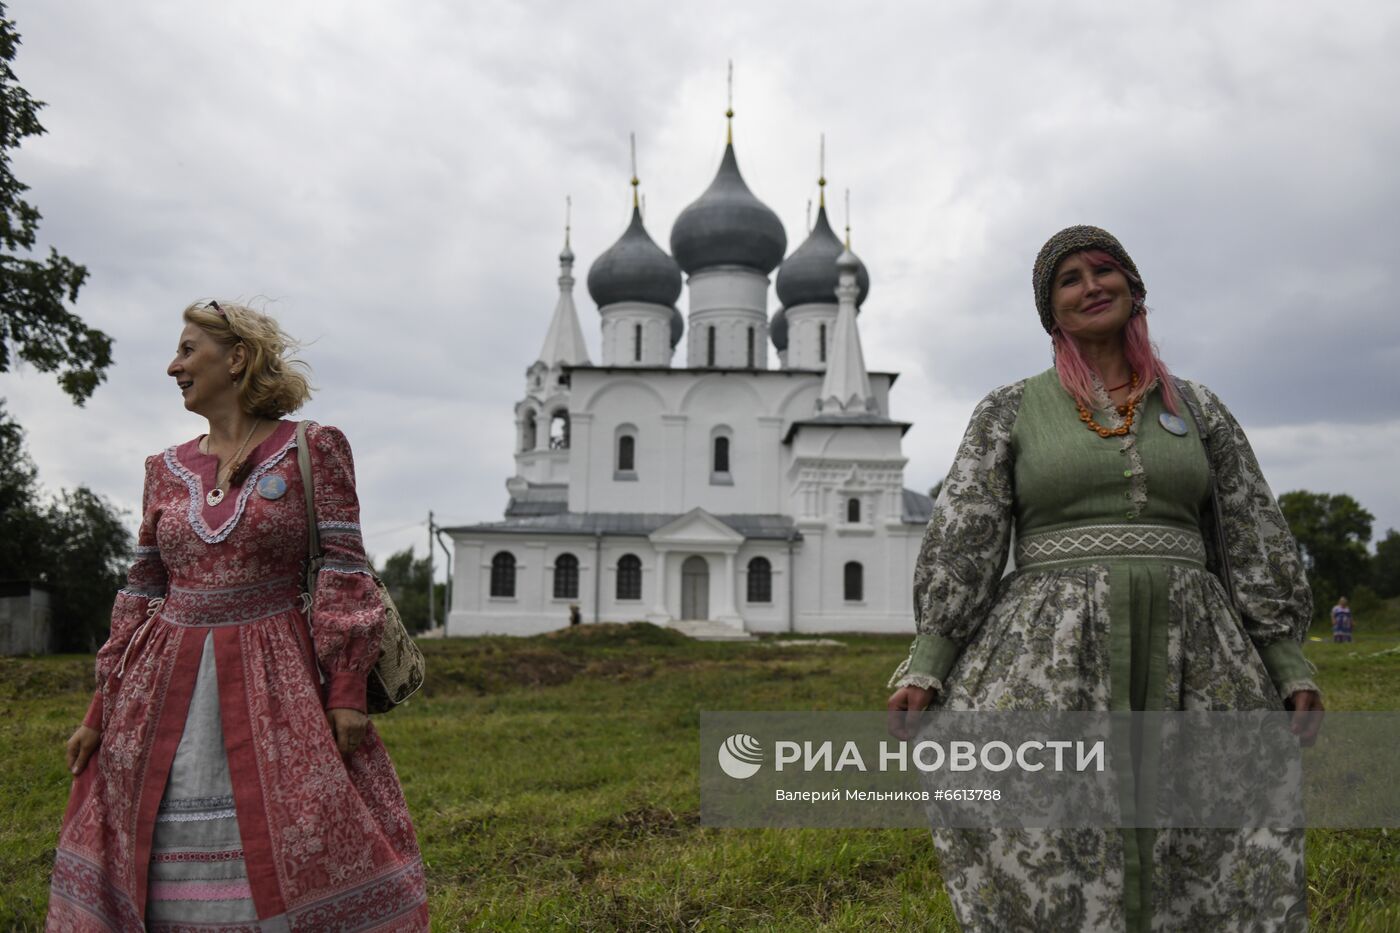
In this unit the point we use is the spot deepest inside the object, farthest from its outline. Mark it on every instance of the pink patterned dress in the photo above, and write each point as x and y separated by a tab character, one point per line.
217	799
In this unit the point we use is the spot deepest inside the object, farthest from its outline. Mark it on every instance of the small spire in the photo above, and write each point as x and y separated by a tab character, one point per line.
848	218
729	110
632	138
821	174
568	220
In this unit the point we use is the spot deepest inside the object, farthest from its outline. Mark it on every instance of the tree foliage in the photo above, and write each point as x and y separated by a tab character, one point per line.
1332	533
1385	566
35	323
407	581
74	545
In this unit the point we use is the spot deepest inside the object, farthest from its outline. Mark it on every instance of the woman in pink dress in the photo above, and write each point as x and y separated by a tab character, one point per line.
226	775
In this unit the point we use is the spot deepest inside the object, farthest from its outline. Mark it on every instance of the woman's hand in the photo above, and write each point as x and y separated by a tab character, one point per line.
904	708
1307	715
80	747
348	726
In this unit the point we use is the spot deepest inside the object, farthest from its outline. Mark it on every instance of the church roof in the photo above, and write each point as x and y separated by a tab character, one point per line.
809	275
634	269
857	420
728	226
918	508
632	524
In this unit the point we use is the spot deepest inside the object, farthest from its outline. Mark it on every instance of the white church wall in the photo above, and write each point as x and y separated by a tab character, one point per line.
532	608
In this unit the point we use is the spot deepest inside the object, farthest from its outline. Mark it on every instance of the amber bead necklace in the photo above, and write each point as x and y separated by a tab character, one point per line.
1127	411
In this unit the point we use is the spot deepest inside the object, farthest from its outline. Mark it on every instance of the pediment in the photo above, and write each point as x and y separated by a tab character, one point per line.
697	528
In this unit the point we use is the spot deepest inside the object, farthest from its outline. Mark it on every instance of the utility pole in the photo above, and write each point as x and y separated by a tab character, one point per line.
431	623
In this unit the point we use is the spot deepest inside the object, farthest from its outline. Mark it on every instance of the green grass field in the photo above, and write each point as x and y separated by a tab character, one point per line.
553	782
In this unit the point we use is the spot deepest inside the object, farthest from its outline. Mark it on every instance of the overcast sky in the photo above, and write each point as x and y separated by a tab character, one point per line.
390	179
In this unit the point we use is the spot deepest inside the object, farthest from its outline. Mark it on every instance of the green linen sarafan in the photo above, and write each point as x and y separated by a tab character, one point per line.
1111	607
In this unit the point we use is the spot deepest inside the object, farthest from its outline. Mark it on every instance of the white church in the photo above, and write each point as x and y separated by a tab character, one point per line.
715	494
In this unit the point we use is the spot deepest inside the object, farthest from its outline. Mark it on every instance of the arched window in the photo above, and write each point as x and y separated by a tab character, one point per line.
710	346
750	348
821	343
559	430
760	580
503	574
527	438
637	343
854	582
626	453
629	577
566	577
853	510
721	455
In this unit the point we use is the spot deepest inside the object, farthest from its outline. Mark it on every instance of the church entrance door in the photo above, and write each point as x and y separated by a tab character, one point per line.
695	588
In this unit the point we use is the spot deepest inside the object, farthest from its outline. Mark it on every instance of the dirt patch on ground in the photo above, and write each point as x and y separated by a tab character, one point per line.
617	633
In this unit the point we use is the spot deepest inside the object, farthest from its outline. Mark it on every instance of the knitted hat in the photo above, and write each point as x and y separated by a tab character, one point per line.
1076	240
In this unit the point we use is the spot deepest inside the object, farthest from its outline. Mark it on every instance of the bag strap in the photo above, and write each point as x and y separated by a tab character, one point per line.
1193	407
308	485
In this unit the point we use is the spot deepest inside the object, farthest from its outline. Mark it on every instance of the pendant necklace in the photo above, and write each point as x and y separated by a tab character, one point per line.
216	495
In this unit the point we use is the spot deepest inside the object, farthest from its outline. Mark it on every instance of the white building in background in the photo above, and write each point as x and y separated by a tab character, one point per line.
720	495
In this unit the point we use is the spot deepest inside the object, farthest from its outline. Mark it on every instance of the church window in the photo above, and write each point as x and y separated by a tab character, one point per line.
637	343
721	455
821	343
629	577
760	580
566	577
750	348
853	510
559	430
710	346
527	438
854	582
626	453
503	574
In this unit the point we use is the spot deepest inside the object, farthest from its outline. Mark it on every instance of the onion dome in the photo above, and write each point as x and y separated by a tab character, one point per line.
677	326
635	269
728	226
809	275
777	329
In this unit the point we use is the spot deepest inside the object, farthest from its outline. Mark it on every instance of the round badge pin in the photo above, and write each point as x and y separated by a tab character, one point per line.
272	486
1173	424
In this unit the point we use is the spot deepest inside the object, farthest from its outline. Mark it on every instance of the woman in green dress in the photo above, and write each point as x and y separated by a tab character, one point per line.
1098	468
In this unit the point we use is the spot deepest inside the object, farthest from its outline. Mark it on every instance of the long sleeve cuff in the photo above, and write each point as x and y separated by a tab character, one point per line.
930	659
346	691
1287	667
93	718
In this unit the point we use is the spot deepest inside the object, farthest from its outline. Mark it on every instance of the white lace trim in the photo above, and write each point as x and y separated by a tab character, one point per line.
923	681
1137	485
197	816
1293	686
196	489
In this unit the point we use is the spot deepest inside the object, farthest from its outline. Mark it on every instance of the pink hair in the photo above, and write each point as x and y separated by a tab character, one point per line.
1077	376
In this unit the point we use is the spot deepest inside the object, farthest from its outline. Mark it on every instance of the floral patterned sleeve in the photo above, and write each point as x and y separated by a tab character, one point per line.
145	585
965	547
1267	571
347	617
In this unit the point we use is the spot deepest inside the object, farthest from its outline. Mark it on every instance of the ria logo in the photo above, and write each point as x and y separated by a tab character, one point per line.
740	756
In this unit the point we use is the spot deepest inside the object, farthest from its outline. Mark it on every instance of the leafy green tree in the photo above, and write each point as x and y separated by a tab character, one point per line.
76	545
1332	533
35	324
407	581
1385	566
86	554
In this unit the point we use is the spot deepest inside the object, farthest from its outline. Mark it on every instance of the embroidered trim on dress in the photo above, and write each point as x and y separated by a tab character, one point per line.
1114	542
376	901
237	605
186	855
338	526
200	891
346	566
195	816
142	592
145	550
196	489
198	803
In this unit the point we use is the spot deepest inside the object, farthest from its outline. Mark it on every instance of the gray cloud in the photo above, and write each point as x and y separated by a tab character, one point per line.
390	178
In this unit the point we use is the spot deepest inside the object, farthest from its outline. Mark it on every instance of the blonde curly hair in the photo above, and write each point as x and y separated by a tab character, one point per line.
273	384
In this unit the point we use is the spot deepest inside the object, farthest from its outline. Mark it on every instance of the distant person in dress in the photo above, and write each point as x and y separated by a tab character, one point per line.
1341	620
226	775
